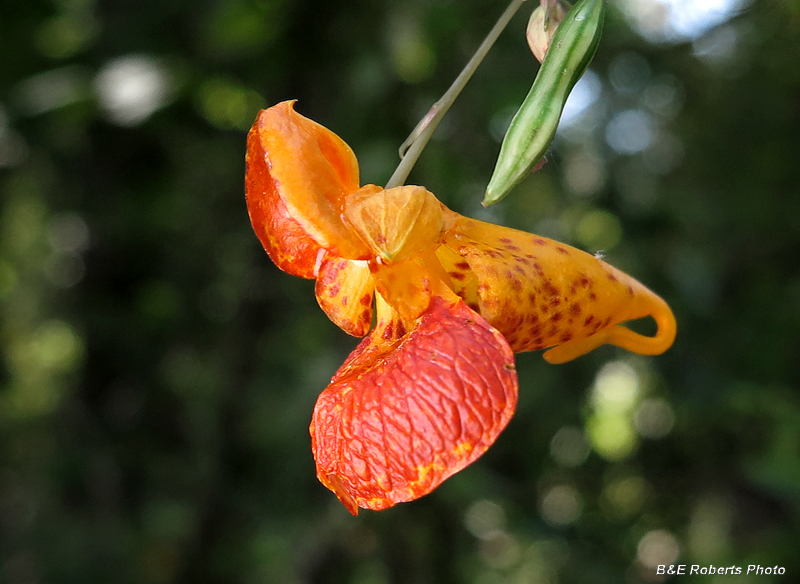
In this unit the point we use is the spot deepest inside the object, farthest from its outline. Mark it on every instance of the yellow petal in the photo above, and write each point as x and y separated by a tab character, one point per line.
406	286
540	293
345	291
396	224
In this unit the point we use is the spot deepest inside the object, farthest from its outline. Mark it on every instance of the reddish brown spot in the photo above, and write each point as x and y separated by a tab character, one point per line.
532	318
562	250
539	241
556	317
549	289
505	240
401	329
521	260
630	290
592	296
483	287
607	322
531	297
457	275
537	331
462	266
333	291
553	331
388	332
365	300
380	239
612	277
584	282
519	270
575	309
493	253
566	337
545	309
588	320
555	301
344	300
366	316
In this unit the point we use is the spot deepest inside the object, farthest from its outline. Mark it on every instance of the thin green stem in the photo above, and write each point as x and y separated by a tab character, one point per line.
421	134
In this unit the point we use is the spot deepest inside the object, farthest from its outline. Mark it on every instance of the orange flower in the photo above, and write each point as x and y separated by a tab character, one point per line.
433	385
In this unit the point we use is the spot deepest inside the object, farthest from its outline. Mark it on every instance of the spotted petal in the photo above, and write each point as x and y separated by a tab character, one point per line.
541	293
407	411
345	291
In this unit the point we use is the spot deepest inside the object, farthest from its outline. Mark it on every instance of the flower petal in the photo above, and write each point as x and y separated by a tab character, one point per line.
298	174
396	224
540	293
402	415
345	291
286	242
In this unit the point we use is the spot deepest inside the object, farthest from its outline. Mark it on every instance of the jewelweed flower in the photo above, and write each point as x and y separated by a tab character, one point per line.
433	384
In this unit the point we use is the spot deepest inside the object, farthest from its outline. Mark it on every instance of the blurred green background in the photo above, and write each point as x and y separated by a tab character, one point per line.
158	372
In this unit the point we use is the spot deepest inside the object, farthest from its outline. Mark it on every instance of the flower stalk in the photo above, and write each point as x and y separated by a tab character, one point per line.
413	146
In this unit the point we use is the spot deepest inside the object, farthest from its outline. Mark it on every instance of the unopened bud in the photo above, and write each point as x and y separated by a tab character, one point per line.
542	26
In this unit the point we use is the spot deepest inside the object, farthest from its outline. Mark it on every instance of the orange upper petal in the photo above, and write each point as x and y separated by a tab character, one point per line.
402	415
540	293
344	291
283	238
298	174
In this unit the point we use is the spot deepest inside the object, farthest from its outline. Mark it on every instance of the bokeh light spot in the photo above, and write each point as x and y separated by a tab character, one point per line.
228	105
654	418
561	505
623	497
569	447
484	517
599	230
413	57
616	387
630	131
585	94
131	88
657	548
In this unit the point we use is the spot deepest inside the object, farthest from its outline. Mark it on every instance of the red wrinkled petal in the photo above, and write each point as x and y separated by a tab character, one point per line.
402	415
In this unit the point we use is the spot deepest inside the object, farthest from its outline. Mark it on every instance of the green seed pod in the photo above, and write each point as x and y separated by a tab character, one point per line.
535	123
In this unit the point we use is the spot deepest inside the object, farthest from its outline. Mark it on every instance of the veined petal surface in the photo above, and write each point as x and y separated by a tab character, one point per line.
402	415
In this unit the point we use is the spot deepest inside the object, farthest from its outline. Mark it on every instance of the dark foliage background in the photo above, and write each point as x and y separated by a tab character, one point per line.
159	373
